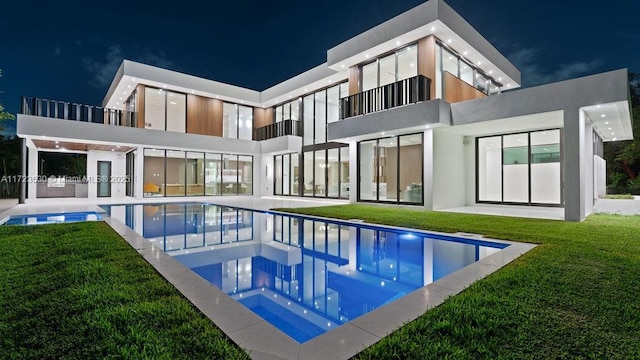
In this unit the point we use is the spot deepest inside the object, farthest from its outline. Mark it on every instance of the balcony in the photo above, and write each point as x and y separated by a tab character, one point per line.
404	92
282	128
77	112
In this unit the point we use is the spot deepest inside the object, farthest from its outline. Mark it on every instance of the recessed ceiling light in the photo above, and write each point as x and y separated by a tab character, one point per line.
342	66
124	92
613	133
449	41
598	107
603	115
120	98
606	123
466	52
366	56
112	150
193	92
57	142
383	133
133	79
398	42
508	85
129	86
57	146
479	62
433	28
499	79
609	129
117	103
490	71
614	139
165	86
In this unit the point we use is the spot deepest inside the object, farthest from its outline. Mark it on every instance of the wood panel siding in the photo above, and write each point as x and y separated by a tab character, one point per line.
262	117
204	115
354	80
456	90
75	146
427	60
140	106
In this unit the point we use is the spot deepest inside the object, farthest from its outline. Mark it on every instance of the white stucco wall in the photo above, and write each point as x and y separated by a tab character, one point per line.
449	185
118	170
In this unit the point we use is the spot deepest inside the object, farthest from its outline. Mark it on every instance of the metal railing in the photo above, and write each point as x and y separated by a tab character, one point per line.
403	92
281	128
78	112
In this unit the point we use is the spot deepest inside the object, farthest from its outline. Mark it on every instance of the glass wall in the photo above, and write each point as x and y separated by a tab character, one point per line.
131	108
165	110
195	174
391	68
175	165
237	121
390	169
308	183
455	64
176	112
319	109
288	111
154	109
523	168
179	173
153	173
213	174
326	173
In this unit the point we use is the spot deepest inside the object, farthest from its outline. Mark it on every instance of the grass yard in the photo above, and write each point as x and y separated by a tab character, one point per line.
79	291
577	295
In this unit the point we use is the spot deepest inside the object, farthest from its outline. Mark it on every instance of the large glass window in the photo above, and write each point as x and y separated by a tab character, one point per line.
278	175
237	121
164	110
333	104
154	109
245	122
308	182
245	175
320	173
368	154
515	171
229	174
308	120
286	174
400	65
294	173
545	167
390	169
175	173
176	112
213	174
490	168
449	62
522	168
410	171
344	173
455	64
230	120
320	118
195	174
153	177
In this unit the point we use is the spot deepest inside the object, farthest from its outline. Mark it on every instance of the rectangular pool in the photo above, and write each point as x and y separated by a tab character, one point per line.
303	275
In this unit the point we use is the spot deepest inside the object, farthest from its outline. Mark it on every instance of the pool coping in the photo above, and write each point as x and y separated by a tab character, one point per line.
264	341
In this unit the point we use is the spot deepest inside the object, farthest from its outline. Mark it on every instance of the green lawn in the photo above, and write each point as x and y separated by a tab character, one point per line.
577	295
79	291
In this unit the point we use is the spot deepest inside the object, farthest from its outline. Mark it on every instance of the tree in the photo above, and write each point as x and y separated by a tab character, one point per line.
623	157
3	114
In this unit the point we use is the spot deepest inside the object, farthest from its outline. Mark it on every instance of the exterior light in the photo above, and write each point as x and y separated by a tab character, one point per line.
603	115
449	41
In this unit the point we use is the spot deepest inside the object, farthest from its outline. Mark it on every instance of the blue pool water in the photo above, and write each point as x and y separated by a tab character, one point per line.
37	219
303	275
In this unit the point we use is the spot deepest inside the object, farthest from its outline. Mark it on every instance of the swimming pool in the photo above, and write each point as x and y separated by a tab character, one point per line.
51	218
305	276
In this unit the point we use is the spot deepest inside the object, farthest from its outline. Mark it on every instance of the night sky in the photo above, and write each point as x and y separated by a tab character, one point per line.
70	50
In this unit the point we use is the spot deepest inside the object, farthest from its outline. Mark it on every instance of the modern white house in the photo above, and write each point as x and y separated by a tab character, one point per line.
420	110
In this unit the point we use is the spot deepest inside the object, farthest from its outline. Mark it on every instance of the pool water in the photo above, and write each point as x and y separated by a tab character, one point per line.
303	275
38	219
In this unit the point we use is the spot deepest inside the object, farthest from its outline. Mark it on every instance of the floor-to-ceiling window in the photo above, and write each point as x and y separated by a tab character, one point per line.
165	110
180	173
237	121
390	169
457	65
397	66
287	174
522	168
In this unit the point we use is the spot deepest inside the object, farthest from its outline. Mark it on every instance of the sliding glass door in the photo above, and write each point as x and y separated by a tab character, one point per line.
523	168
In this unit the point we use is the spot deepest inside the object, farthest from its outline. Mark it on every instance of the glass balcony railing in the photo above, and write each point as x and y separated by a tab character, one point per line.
281	128
78	112
403	92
